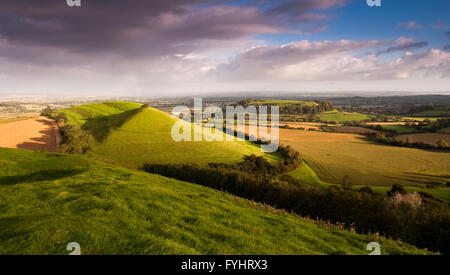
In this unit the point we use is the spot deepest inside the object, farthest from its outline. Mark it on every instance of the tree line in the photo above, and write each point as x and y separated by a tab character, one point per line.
425	224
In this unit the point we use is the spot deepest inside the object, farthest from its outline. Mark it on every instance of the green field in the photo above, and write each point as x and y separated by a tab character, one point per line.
49	200
400	129
342	116
335	155
131	136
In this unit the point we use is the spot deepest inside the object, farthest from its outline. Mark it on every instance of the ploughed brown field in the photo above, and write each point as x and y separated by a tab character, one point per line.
32	134
430	138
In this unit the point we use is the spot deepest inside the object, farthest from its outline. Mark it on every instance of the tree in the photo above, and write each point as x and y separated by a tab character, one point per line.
442	144
396	189
62	116
47	112
145	105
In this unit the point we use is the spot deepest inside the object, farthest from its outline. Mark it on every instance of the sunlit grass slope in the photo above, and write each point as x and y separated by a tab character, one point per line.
49	200
132	136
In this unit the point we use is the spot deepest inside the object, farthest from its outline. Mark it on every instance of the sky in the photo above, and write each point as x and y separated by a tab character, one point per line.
181	47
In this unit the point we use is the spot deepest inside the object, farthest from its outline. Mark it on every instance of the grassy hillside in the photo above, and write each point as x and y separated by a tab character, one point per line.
128	135
49	200
334	156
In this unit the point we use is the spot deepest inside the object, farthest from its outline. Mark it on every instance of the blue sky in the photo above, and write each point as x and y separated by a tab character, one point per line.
358	21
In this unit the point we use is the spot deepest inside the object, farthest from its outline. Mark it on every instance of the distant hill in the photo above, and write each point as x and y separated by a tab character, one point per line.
283	103
49	200
132	136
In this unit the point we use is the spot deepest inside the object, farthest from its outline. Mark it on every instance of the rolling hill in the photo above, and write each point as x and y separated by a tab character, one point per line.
48	200
131	136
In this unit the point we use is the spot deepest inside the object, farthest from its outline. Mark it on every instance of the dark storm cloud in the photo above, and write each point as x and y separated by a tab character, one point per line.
97	25
304	6
140	27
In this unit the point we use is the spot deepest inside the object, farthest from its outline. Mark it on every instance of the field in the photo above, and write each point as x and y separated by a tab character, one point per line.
32	133
130	136
342	116
430	138
6	120
400	129
49	200
335	155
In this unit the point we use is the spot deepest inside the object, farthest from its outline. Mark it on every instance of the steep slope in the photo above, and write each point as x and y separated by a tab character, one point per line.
49	200
130	136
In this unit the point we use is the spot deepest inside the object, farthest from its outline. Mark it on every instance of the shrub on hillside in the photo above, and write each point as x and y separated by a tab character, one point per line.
48	112
75	140
396	189
442	144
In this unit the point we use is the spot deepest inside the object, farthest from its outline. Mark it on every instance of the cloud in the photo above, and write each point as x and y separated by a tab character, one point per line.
411	25
137	28
404	44
316	61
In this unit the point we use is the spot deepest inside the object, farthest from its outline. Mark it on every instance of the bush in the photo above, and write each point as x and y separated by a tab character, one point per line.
289	179
47	112
367	189
442	144
62	117
396	189
75	140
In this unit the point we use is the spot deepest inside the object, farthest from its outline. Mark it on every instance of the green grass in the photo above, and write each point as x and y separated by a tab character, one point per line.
306	175
130	136
342	116
400	129
334	155
49	200
418	118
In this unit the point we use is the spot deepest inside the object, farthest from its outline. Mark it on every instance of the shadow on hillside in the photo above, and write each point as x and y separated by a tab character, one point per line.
47	140
371	140
44	175
17	227
101	127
